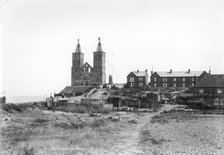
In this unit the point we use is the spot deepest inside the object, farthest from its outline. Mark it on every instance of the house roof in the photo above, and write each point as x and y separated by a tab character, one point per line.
214	80
140	73
180	73
75	89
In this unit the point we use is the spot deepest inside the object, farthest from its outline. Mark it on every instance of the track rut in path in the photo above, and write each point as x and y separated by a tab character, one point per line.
129	137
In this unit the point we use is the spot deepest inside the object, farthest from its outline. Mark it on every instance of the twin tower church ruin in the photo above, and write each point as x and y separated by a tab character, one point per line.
84	73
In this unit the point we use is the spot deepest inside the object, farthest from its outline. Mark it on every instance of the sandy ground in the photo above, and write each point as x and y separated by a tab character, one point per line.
130	136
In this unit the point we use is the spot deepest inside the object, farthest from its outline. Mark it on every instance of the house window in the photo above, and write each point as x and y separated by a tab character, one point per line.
192	79
183	84
154	84
174	85
140	79
140	84
154	79
132	84
164	79
131	79
183	79
164	85
174	79
219	91
201	91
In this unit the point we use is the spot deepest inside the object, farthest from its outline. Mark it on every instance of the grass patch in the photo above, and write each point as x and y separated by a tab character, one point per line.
15	134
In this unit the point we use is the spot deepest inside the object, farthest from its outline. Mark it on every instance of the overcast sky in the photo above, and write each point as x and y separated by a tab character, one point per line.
39	36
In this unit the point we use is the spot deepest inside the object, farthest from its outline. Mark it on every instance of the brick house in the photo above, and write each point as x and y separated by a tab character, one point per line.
176	79
210	89
137	79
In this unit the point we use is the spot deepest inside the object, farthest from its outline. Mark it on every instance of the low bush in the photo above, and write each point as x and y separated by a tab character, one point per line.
74	109
9	107
147	137
102	110
133	121
83	108
15	107
176	116
6	107
97	123
28	151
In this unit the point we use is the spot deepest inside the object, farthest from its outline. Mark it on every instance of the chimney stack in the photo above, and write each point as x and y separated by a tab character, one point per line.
189	70
170	71
209	70
137	70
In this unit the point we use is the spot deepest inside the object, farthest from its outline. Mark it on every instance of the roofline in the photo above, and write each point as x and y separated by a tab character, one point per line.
206	87
77	53
178	76
99	52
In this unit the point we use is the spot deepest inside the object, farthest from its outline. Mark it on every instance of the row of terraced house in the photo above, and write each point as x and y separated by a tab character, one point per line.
166	79
203	86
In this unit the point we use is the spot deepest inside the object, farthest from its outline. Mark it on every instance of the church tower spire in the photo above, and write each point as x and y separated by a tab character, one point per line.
99	68
78	48
99	46
77	66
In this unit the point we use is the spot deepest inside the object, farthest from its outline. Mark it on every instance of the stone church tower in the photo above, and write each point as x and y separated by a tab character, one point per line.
85	74
77	65
99	71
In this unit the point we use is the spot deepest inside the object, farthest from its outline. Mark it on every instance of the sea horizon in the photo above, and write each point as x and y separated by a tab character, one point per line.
25	99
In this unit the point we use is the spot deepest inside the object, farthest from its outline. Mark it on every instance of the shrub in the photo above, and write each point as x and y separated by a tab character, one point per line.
84	108
73	108
132	121
79	109
28	151
146	137
102	110
97	123
16	107
6	107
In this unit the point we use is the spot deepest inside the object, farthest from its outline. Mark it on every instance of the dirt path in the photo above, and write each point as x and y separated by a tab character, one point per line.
130	137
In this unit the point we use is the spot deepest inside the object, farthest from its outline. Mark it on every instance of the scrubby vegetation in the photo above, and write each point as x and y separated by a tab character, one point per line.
183	132
175	116
83	108
10	107
36	131
147	137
